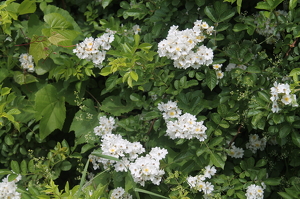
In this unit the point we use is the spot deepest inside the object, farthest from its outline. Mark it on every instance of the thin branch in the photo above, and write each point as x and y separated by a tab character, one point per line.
291	46
151	127
238	132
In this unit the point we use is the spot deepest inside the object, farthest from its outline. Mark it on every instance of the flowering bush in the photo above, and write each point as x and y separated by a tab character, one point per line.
149	99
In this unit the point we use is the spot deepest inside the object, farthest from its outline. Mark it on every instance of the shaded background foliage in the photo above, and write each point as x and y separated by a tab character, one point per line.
48	116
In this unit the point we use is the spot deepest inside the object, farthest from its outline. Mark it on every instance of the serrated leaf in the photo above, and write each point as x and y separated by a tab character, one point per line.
27	6
239	27
210	12
211	79
215	141
50	110
82	124
113	105
31	166
284	131
15	166
39	48
24	167
57	21
57	38
216	159
272	181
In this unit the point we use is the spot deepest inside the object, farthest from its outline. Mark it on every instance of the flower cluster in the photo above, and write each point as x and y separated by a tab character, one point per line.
256	143
282	93
185	126
106	126
266	26
169	109
27	62
142	168
231	66
119	193
9	189
198	182
183	46
94	49
218	70
147	167
115	146
255	192
235	152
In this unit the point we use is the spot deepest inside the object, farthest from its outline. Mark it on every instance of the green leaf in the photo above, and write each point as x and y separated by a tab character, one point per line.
216	159
83	124
261	163
200	2
106	71
5	172
263	5
31	167
295	73
22	78
50	110
285	131
15	166
149	192
215	141
24	167
211	79
134	75
27	6
285	195
113	105
272	181
296	138
98	153
57	21
293	4
264	96
65	165
105	3
210	12
239	27
39	48
57	38
86	147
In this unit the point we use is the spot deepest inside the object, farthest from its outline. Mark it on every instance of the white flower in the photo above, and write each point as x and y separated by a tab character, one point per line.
217	66
136	29
209	171
27	62
256	143
9	189
181	46
94	49
106	125
236	152
254	192
286	99
219	74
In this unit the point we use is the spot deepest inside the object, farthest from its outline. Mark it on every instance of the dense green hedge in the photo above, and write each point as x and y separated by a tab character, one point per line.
156	99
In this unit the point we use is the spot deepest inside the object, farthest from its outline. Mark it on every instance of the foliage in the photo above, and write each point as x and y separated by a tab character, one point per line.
246	100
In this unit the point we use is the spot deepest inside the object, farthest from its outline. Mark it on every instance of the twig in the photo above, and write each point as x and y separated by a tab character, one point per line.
238	132
291	46
152	123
